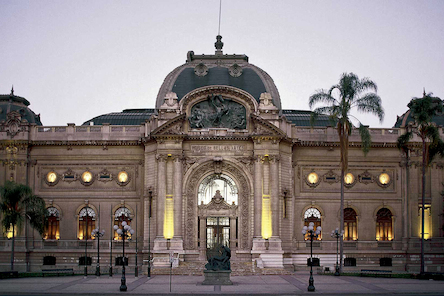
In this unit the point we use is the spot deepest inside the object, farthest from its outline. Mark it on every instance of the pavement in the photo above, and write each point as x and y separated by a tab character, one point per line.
294	284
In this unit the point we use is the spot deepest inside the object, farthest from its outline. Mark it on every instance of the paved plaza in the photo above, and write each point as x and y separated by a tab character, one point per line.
295	284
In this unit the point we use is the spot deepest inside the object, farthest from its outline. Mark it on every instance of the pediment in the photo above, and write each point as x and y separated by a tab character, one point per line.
172	127
262	127
218	204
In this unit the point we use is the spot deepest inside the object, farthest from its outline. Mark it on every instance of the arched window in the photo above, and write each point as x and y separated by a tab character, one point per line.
87	222
52	224
350	225
384	228
223	183
120	215
312	215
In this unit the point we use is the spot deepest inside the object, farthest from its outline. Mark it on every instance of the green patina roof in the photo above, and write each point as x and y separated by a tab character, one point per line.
249	81
302	118
127	117
11	102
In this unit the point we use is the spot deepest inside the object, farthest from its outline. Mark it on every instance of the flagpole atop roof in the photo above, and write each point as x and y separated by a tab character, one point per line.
220	11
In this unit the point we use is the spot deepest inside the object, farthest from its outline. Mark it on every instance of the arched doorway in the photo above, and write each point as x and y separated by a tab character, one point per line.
208	212
217	212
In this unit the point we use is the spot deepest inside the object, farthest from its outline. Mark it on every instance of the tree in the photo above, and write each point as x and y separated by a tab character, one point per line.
423	110
350	93
18	204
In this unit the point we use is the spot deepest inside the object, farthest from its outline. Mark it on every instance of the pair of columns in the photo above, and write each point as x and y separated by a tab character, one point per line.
169	201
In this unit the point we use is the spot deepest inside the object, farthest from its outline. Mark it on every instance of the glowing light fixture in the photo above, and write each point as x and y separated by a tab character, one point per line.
87	177
168	222
313	178
122	177
51	177
384	178
349	178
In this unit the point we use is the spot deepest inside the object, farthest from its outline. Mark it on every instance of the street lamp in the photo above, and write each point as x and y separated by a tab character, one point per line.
312	234
98	234
337	234
124	232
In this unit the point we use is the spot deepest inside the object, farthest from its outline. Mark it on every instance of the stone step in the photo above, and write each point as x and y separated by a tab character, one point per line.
237	268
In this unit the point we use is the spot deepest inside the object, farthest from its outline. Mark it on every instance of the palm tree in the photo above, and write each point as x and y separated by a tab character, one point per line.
351	92
423	110
17	204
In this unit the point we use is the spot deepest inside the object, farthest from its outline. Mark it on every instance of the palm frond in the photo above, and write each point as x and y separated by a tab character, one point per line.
320	96
403	140
365	138
370	103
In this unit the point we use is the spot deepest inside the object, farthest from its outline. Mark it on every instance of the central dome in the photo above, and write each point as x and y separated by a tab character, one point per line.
218	69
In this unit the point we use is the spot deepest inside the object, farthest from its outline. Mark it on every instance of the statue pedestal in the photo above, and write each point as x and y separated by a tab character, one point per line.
217	277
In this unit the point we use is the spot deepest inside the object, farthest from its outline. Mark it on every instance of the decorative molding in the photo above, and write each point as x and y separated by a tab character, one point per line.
235	70
330	177
201	70
191	207
104	176
70	176
366	178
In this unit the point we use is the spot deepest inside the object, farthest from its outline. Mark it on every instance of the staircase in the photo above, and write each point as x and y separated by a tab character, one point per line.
237	269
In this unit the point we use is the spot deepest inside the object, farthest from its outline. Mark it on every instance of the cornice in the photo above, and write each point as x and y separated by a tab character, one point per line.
104	143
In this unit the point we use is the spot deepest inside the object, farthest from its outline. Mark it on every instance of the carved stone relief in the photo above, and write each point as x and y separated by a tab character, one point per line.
218	112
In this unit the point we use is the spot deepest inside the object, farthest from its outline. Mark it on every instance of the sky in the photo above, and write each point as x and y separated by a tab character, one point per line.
75	60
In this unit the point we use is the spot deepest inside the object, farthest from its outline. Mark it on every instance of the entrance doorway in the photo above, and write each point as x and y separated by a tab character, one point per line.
218	231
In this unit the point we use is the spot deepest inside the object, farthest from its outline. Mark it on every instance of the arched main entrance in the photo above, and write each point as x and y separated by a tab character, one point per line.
212	215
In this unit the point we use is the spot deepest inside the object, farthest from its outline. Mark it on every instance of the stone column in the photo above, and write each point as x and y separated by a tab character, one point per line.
257	196
178	223
161	192
232	233
274	190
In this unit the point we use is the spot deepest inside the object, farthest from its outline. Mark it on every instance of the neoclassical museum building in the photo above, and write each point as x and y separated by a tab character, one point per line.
217	160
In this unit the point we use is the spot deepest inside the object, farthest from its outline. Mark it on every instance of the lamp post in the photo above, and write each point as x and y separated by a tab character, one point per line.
312	234
124	232
98	234
150	195
337	234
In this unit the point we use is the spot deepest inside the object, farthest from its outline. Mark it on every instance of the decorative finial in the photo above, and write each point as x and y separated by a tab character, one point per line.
424	93
12	90
218	44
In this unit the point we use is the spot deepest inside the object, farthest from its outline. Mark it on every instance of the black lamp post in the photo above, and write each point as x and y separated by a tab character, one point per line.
337	234
312	234
98	234
150	195
124	232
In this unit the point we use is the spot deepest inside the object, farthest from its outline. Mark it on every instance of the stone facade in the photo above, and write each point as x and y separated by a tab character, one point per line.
279	172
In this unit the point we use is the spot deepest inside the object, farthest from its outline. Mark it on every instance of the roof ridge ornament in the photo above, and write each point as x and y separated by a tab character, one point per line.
219	44
12	90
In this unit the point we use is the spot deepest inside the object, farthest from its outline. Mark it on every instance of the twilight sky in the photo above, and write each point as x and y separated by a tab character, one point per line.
74	60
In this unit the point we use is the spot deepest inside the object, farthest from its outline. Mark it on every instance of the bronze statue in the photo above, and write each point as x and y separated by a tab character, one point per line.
220	260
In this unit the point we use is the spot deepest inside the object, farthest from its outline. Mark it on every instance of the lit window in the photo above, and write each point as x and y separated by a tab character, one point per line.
312	215
350	225
87	222
223	183
52	229
384	227
120	215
